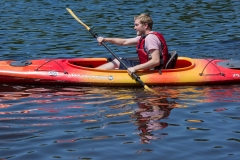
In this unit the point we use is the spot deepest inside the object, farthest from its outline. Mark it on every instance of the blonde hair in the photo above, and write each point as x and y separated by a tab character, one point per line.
145	18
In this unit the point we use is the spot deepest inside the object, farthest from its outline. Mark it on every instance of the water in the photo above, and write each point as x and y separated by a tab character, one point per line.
61	122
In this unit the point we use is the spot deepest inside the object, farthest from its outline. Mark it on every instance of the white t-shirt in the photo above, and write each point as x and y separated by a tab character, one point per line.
151	42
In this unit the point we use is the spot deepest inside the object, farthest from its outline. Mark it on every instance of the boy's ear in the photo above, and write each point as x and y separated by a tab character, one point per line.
146	25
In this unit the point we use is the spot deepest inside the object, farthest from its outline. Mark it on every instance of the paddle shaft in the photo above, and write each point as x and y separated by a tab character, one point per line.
96	36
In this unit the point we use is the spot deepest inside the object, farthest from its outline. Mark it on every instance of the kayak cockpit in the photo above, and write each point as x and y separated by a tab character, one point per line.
182	63
86	62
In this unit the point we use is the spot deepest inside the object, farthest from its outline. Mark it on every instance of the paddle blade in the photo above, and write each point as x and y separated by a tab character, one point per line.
74	16
149	89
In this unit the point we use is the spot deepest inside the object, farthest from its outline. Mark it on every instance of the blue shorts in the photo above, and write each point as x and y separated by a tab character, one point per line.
128	63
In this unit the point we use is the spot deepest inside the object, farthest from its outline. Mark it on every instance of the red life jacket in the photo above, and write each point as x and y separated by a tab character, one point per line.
144	56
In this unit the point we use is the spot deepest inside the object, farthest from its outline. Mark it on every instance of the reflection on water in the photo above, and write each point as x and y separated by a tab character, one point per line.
65	118
148	117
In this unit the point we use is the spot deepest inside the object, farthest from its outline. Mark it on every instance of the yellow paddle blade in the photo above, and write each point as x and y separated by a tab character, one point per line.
74	16
149	89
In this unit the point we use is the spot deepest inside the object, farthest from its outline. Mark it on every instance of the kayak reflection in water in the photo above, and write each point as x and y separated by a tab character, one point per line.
147	119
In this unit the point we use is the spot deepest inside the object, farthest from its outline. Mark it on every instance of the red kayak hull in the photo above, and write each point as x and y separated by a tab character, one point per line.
82	71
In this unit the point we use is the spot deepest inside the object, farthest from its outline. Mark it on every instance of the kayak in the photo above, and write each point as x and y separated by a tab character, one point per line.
82	71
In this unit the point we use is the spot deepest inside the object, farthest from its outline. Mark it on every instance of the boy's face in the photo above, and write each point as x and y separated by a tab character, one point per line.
139	27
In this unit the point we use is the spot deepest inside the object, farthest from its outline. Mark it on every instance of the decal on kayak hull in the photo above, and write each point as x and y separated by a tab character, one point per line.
92	76
53	73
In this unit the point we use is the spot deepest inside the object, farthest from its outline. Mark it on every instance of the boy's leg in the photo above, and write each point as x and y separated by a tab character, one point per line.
110	65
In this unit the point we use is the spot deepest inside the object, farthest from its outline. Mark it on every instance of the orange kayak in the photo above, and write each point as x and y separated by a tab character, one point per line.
82	71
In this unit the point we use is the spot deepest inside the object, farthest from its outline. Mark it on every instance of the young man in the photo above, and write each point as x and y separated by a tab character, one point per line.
151	47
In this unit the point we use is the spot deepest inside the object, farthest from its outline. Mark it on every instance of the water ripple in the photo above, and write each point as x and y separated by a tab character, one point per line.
49	122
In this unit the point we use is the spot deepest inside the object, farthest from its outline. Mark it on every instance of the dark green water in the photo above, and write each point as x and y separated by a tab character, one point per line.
56	122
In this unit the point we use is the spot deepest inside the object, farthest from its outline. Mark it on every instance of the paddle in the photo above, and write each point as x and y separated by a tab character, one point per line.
96	36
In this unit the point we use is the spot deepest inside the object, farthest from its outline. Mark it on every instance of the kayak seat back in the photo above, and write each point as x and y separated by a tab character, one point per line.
172	60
